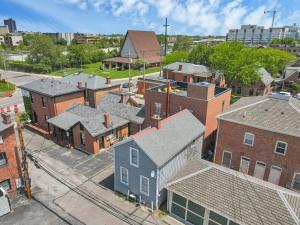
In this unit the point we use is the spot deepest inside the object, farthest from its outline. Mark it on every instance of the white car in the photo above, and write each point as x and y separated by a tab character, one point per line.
298	96
285	93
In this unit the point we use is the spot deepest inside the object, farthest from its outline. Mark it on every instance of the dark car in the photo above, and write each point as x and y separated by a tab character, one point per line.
126	85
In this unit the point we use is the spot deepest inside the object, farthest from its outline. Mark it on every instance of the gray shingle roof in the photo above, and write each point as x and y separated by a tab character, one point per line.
242	198
268	113
92	119
111	103
189	68
50	87
93	82
176	132
289	72
4	126
266	77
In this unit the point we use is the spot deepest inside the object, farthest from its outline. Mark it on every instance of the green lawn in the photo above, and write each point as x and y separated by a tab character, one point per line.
94	68
5	87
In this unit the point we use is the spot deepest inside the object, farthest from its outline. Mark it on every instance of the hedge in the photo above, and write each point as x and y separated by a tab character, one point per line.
26	67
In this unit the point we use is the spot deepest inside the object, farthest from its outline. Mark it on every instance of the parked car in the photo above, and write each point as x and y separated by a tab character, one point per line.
126	85
298	96
285	93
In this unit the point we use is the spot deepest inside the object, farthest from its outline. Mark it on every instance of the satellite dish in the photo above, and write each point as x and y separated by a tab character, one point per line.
152	173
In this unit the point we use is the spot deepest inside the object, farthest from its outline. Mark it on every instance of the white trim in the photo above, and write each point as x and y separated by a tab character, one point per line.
141	191
287	205
230	158
246	159
251	134
296	173
126	183
131	163
285	150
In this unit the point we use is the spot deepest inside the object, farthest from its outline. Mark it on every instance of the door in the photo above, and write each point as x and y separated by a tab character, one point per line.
244	165
259	170
4	203
226	159
274	176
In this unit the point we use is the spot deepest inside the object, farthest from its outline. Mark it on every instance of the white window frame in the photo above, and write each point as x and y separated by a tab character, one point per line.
4	160
131	163
121	180
253	135
286	147
246	158
260	162
141	191
295	174
157	108
230	157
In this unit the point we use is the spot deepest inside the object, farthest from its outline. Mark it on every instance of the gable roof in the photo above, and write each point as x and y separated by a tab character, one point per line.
111	103
93	82
176	132
51	87
92	119
275	113
266	77
242	198
289	71
189	68
144	42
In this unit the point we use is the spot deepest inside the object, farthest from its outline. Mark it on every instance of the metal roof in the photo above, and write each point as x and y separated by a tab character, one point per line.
242	198
176	132
266	77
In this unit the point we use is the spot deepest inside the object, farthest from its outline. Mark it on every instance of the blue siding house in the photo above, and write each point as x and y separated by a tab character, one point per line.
146	161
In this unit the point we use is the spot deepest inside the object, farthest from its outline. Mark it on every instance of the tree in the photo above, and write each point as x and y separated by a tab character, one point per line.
200	54
183	43
61	41
177	56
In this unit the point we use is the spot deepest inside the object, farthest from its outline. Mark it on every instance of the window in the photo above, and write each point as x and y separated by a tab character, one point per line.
296	182
259	171
249	139
3	160
157	109
144	185
244	165
251	92
281	147
216	219
35	117
226	159
223	104
134	157
233	89
81	134
31	98
1	140
43	102
5	185
239	90
124	175
275	173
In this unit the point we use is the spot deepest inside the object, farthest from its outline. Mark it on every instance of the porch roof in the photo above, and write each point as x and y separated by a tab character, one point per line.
64	120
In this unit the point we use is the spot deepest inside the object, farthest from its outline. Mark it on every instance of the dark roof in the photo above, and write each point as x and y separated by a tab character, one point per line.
4	126
276	113
189	68
93	82
176	132
111	103
240	197
92	119
50	87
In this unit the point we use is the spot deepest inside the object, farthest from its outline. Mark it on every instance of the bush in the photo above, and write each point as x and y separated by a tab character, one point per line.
26	67
295	86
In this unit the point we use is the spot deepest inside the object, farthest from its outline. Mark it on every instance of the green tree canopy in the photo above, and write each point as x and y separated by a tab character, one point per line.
200	54
284	41
177	56
61	41
182	43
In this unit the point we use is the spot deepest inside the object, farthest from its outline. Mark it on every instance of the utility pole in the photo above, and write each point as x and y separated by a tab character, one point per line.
274	14
129	64
166	25
24	163
160	63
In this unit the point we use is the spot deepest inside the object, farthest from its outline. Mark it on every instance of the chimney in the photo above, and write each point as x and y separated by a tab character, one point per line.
123	98
108	80
179	67
202	90
6	118
80	85
106	120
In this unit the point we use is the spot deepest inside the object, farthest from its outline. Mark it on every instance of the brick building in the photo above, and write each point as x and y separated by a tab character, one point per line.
290	75
204	100
10	171
260	136
87	129
46	98
260	87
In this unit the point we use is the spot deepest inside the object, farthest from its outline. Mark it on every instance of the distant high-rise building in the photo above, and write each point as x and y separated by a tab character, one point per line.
11	25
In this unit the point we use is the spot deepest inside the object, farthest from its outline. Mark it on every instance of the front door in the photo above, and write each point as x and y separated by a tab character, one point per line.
259	170
101	142
244	165
274	176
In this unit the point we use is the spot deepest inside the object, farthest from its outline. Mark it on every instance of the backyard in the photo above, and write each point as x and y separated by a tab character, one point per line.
6	87
94	68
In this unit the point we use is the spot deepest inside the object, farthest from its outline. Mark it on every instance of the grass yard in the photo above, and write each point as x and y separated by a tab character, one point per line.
94	68
5	87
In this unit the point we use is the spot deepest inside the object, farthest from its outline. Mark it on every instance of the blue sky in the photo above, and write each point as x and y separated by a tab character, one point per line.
200	17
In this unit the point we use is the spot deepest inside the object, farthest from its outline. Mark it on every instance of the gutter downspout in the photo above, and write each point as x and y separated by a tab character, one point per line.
156	198
216	140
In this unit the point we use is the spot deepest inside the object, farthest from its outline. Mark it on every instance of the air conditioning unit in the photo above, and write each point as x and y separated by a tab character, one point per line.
156	117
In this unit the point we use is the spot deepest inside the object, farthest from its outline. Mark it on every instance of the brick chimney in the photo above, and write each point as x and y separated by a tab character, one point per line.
80	85
108	80
6	118
107	120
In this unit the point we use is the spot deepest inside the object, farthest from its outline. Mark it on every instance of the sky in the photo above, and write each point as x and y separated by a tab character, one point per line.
190	17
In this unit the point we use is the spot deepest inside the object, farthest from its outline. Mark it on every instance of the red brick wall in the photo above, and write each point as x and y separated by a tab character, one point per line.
54	106
231	136
10	171
293	78
265	90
